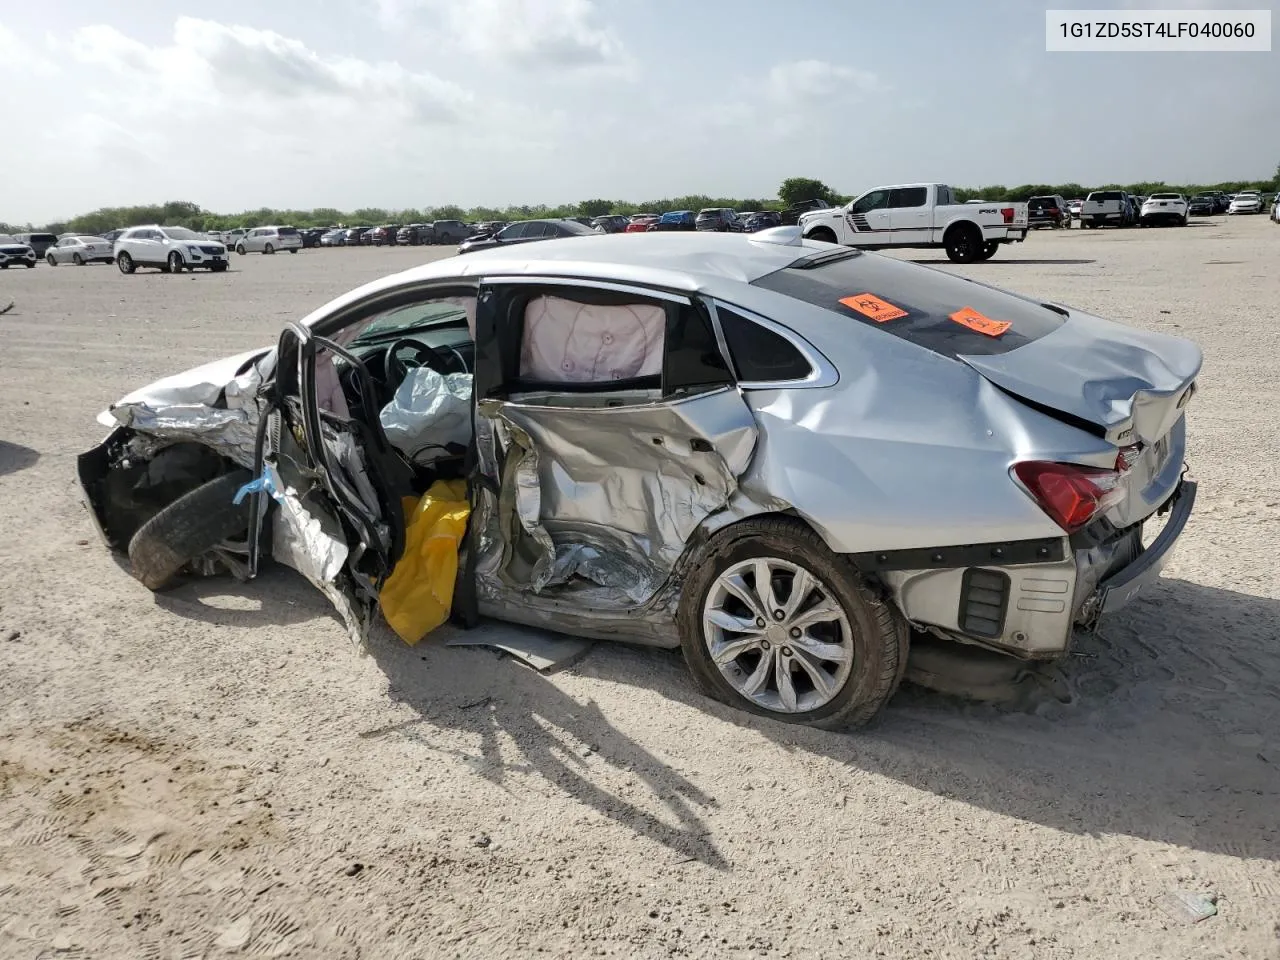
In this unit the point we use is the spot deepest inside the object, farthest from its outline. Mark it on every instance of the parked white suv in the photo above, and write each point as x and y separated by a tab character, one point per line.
169	249
269	240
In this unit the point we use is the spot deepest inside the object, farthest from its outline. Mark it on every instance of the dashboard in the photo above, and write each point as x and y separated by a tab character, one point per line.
389	357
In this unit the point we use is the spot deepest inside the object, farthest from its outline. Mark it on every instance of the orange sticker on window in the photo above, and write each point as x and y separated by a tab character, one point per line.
971	318
869	305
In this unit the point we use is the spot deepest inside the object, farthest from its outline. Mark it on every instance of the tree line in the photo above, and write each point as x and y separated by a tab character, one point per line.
794	189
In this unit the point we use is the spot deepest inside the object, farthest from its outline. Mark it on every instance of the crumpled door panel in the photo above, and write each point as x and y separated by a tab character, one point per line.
604	499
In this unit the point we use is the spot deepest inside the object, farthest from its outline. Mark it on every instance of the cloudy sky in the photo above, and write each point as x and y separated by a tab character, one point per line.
408	103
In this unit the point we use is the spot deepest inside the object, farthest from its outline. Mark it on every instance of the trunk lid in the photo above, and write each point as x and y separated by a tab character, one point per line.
1130	385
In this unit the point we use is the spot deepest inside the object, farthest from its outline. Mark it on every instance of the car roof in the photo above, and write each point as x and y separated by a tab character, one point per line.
712	263
688	261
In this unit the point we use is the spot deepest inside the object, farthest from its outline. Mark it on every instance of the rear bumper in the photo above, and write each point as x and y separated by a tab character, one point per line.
1029	606
1123	585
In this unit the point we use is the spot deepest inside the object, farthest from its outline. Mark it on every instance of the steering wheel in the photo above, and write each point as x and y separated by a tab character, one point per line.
408	354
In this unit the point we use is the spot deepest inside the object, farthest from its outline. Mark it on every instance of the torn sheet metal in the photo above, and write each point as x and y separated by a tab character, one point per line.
544	652
192	407
527	549
632	484
430	412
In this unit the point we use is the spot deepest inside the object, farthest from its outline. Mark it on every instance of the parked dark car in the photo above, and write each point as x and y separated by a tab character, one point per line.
354	234
676	220
1050	211
525	231
611	223
791	215
384	236
39	242
449	231
487	228
311	237
761	221
1203	205
718	220
415	234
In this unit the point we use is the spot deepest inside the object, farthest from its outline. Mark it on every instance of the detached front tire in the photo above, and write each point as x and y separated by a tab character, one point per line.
774	623
192	525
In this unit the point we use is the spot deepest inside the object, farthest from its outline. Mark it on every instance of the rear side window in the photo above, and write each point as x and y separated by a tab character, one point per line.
924	302
908	197
760	355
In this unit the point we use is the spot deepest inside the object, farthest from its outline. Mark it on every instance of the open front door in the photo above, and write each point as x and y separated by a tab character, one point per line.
608	427
337	482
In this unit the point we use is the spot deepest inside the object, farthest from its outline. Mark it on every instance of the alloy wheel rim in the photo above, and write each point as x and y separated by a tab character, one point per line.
777	635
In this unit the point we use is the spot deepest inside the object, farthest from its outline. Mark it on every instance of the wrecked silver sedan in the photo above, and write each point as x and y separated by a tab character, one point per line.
785	457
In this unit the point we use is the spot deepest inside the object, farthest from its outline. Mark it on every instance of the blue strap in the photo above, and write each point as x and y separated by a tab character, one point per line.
264	482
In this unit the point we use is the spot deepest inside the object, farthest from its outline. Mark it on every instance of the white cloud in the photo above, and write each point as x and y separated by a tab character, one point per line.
552	34
815	82
211	66
20	57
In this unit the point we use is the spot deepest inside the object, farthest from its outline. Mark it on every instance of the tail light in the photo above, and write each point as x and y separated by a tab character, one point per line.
1007	213
1071	494
1054	210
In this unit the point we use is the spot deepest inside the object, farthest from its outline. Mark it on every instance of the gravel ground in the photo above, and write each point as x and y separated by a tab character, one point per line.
215	771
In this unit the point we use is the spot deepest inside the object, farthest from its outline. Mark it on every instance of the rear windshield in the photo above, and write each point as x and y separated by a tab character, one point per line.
1164	196
1104	195
924	298
287	231
43	237
1041	203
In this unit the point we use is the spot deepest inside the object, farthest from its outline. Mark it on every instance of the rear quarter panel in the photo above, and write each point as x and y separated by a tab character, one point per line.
909	449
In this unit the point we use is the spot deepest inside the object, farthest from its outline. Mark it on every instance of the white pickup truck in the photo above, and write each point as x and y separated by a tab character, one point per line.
920	215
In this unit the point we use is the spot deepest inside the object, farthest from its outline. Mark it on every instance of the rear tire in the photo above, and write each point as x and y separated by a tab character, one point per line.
873	636
988	250
268	249
77	260
293	251
192	525
963	243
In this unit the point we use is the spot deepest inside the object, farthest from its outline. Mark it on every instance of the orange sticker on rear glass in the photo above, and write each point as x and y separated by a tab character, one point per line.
971	318
869	305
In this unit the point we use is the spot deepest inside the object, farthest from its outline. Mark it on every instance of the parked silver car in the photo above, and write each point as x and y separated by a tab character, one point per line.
784	456
79	250
269	239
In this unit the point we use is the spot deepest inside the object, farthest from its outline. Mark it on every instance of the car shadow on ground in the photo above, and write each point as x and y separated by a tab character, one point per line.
278	596
1169	732
15	458
560	739
1163	726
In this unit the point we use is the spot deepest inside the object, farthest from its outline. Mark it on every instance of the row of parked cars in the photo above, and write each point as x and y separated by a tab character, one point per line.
1117	208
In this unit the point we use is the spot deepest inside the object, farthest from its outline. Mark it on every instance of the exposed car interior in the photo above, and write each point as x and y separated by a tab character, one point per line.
565	345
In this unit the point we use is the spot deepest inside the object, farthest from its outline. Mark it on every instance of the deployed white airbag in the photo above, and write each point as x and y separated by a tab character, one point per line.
570	342
429	411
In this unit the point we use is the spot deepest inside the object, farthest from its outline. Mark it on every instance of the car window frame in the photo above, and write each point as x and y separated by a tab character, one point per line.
508	389
822	372
854	208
